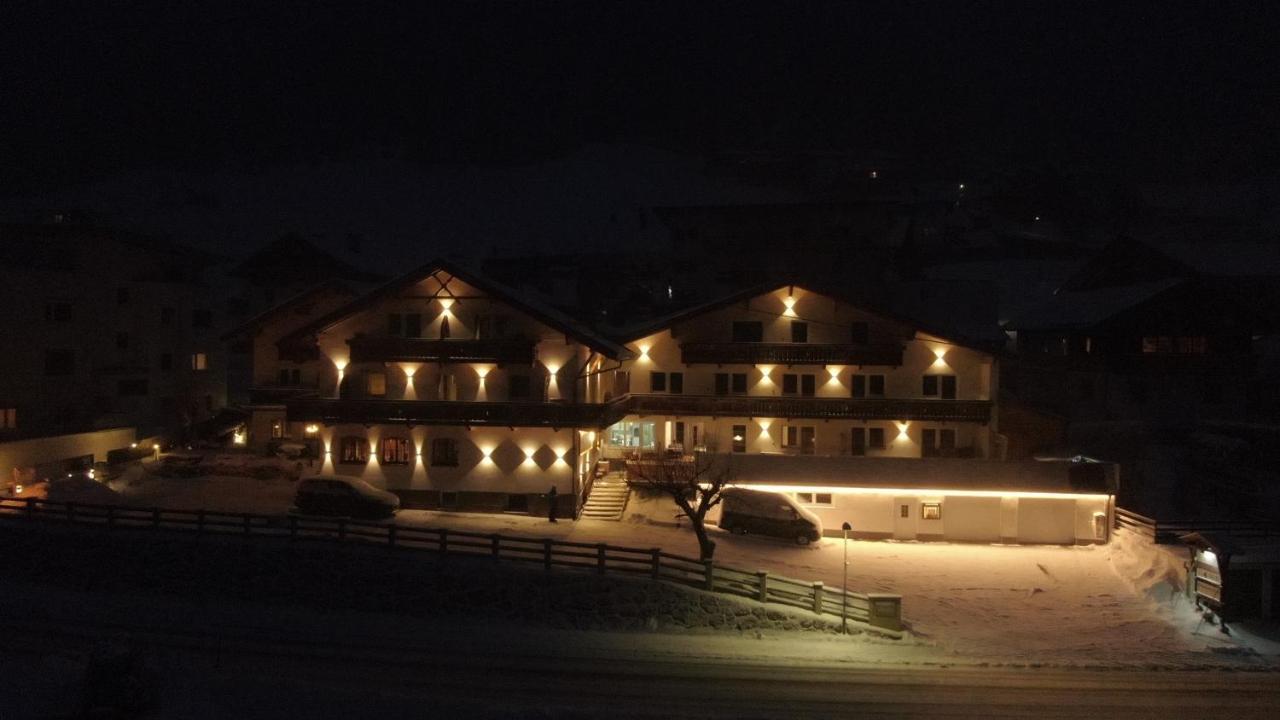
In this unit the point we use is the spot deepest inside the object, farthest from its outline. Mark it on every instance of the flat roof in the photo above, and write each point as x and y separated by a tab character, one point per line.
1053	476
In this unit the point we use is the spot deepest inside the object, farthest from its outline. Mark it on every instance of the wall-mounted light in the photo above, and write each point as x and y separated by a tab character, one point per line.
133	445
238	437
939	355
902	430
765	371
790	303
644	352
445	304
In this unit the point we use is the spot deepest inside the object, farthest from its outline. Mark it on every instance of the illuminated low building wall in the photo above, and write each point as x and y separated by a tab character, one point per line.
941	499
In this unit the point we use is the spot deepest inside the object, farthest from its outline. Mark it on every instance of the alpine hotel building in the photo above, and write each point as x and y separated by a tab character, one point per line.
457	392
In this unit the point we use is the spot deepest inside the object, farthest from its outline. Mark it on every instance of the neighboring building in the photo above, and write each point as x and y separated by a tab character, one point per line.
1136	334
106	328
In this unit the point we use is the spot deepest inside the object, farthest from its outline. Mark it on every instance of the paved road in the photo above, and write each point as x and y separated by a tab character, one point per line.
244	677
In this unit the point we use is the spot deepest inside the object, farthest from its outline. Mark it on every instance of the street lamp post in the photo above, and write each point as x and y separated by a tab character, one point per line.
844	584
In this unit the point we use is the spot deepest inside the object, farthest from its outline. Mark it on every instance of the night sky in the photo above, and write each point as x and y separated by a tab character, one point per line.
219	91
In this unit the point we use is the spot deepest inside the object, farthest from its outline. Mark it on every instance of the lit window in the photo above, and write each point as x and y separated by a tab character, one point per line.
277	429
395	451
813	498
8	418
199	361
931	511
376	384
353	450
739	438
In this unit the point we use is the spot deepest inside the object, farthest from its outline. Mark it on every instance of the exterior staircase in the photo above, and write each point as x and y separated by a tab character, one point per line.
608	498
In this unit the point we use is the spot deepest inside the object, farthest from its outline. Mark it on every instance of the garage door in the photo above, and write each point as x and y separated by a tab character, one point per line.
972	519
1046	520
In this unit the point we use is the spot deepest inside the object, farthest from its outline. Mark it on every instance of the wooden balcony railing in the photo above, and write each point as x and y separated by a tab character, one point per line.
419	412
811	407
396	349
270	394
790	354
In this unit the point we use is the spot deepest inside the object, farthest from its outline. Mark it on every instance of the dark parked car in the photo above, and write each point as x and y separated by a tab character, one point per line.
343	496
767	513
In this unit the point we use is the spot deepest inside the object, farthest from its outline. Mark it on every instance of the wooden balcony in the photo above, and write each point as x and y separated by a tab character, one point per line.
811	408
397	349
418	412
790	354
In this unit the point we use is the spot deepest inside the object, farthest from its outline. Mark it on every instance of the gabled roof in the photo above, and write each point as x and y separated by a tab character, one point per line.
288	304
295	257
635	332
543	313
1083	309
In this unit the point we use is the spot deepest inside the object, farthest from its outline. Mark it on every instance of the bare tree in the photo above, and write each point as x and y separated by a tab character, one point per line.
695	482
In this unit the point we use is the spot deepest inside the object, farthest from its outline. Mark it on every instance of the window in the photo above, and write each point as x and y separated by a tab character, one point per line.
798	384
518	387
122	341
395	451
931	511
739	438
801	436
290	377
59	362
859	334
727	383
353	450
122	296
928	442
628	433
943	386
748	331
395	324
799	331
166	316
1193	345
904	511
277	429
166	361
131	387
858	386
875	385
858	441
413	325
199	361
201	318
677	383
808	498
444	452
376	384
57	311
483	331
946	439
678	433
657	382
875	438
8	418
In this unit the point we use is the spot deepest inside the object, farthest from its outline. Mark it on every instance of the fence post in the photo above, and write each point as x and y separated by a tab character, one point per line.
817	596
155	518
762	585
444	541
600	558
655	557
495	545
709	575
546	554
391	536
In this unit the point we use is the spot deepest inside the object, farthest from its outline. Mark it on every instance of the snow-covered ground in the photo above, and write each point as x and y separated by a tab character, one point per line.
1012	604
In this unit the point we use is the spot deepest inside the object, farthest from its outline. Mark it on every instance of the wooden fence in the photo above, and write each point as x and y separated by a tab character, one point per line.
880	610
1167	532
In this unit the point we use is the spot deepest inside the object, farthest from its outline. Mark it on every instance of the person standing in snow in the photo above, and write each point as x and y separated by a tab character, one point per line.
551	504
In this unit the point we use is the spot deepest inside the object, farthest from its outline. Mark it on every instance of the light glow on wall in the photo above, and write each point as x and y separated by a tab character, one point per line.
926	493
238	437
486	454
644	352
790	303
765	371
940	354
528	456
445	304
902	430
312	429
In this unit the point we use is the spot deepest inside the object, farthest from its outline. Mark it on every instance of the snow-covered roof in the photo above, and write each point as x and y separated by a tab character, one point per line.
911	473
1086	308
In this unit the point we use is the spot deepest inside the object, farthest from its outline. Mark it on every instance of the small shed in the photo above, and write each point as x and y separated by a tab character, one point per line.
1236	577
